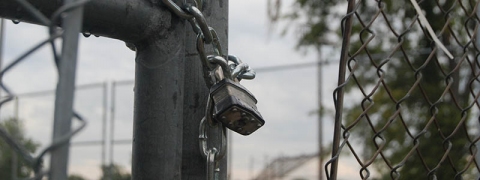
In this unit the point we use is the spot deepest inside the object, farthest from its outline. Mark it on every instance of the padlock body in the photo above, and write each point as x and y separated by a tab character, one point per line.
235	107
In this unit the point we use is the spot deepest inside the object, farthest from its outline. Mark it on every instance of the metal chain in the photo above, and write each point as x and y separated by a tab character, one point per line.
212	155
207	35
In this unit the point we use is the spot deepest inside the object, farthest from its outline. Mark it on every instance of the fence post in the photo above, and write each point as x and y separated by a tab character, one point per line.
112	130
104	122
196	92
63	115
320	115
158	102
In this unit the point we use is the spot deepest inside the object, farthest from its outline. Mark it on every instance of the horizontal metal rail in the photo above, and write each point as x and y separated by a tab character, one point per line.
127	20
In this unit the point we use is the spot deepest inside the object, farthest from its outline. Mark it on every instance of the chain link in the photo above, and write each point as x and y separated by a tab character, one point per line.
212	165
203	138
212	155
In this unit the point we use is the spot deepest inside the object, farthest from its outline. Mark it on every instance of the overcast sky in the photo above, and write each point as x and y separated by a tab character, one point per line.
286	99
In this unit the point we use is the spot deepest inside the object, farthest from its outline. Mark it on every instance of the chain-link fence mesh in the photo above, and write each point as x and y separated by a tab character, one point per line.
96	143
405	109
33	111
64	54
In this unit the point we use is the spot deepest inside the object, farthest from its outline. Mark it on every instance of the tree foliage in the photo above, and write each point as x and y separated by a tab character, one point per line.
410	110
75	177
311	20
15	129
109	172
114	172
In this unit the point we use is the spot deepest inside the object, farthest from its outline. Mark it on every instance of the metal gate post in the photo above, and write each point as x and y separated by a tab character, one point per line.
158	104
63	115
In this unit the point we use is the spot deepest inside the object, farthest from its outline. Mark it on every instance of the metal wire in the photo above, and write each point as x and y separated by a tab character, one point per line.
409	115
36	163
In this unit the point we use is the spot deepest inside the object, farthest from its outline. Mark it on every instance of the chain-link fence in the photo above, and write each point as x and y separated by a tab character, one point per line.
33	111
64	44
109	126
407	102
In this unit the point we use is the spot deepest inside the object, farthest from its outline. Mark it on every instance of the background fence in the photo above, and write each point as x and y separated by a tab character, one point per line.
64	45
109	124
405	107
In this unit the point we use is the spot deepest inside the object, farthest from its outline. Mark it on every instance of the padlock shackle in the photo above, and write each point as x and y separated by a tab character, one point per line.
223	63
229	82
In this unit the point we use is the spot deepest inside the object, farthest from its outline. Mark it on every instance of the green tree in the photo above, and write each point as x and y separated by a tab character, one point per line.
75	177
15	129
430	114
114	172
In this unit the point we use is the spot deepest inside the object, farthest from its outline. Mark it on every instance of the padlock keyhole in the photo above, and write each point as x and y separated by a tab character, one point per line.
241	123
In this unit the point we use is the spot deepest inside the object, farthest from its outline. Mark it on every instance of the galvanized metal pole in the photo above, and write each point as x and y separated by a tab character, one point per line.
63	115
104	121
127	20
320	115
14	153
193	163
158	103
112	129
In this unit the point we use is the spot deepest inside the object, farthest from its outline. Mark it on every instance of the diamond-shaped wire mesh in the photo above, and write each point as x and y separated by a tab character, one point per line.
56	35
407	110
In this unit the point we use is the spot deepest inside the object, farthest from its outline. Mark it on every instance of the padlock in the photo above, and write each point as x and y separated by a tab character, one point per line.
235	107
